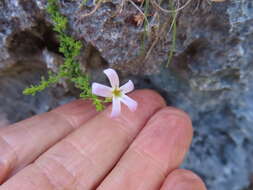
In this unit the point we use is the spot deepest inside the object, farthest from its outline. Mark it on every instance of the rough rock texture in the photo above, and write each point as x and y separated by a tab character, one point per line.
210	76
14	106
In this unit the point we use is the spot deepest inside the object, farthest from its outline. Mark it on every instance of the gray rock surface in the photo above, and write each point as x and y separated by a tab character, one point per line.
210	76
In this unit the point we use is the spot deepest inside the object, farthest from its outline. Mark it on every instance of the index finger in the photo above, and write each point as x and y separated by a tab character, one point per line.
23	142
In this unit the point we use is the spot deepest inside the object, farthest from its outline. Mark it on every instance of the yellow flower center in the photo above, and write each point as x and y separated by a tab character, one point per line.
116	92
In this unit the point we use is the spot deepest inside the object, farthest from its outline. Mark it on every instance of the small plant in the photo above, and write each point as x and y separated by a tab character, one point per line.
70	69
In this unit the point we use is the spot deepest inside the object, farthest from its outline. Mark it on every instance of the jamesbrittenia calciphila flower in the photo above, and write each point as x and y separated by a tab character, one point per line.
116	93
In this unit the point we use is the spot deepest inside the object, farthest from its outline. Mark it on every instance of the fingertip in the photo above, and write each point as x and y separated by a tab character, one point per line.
173	114
175	122
179	112
146	97
181	179
166	137
186	174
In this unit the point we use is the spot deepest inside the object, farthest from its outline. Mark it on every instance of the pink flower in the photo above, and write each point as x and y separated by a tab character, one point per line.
118	94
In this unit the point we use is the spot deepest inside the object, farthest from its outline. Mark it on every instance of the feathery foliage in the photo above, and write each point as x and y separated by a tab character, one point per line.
70	69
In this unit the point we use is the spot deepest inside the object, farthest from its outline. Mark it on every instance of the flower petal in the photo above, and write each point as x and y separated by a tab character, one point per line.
116	107
131	104
113	77
101	90
128	87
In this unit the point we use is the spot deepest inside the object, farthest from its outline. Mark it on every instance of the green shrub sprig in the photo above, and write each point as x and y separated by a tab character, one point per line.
70	69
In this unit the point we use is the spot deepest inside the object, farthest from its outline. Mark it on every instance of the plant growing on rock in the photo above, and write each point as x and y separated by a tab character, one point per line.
149	11
70	48
70	70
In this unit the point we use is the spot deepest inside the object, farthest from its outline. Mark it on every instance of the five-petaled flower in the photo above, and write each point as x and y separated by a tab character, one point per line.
116	93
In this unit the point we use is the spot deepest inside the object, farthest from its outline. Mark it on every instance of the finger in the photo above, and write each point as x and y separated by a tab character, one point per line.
81	160
22	142
183	179
158	149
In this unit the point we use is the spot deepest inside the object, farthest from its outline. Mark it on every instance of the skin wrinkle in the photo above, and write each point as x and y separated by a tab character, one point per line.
151	159
78	185
72	119
141	185
124	124
31	183
35	167
28	132
47	174
70	122
158	169
77	110
82	152
62	119
143	182
126	133
52	185
69	128
123	121
125	130
121	127
18	161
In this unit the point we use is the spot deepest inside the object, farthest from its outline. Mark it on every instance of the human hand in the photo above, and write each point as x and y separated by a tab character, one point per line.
75	148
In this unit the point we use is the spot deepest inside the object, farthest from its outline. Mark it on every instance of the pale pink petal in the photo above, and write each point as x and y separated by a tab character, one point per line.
101	90
113	77
128	87
116	107
131	104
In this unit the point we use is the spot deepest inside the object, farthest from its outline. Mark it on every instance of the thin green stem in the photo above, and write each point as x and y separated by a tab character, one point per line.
174	33
70	69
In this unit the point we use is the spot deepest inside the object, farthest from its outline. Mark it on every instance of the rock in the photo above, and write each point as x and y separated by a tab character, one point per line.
210	75
14	105
3	120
